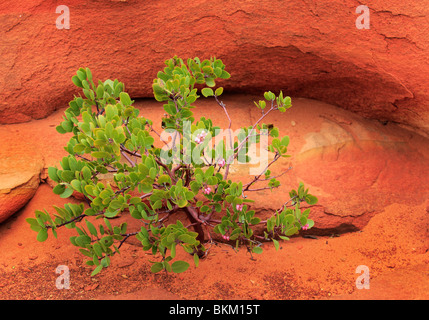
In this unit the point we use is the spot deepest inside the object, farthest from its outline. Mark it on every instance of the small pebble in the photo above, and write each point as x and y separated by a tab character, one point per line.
92	287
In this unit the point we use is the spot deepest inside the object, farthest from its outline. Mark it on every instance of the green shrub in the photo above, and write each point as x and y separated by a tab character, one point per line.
152	183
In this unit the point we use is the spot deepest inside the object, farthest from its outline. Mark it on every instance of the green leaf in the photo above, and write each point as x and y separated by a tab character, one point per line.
219	91
111	214
88	74
146	188
152	173
285	141
173	250
298	214
125	99
97	270
86	117
157	205
115	204
217	72
42	235
52	172
157	267
32	221
182	203
310	199
91	228
107	223
67	126
225	75
212	181
60	130
89	189
58	189
76	184
291	231
267	95
83	240
67	175
164	179
186	238
77	81
210	82
255	220
79	148
86	172
207	92
179	266
100	91
276	244
81	74
86	252
209	172
196	260
99	154
85	84
67	193
257	250
135	200
97	249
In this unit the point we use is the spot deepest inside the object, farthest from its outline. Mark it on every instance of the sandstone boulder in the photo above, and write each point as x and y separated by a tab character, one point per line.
19	178
26	151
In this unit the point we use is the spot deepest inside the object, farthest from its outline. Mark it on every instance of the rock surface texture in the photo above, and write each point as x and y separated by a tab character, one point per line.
16	189
20	169
368	167
310	48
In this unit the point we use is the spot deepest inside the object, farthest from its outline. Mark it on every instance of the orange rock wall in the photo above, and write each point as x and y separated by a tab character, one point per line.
307	48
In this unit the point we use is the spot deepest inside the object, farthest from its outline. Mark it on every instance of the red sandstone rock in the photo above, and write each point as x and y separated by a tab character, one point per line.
355	166
310	49
25	149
